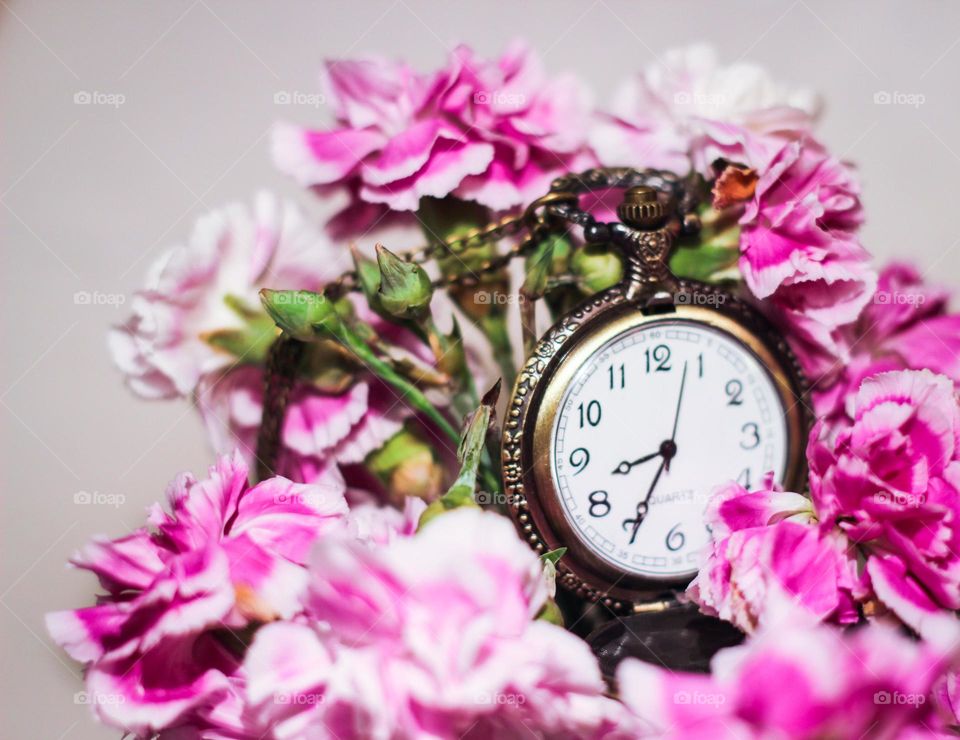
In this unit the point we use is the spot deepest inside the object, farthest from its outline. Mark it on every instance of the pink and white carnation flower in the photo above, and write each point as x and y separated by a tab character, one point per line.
157	646
233	252
768	541
879	538
798	244
890	481
431	636
493	131
208	287
800	680
663	116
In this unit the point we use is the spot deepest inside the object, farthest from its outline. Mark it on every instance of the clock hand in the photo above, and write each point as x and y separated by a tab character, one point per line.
667	451
642	506
676	416
625	467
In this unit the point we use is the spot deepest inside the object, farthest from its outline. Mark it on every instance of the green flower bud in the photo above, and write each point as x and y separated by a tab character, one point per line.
597	266
300	313
405	289
406	464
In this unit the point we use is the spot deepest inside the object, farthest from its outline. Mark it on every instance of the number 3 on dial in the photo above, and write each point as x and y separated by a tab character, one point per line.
701	409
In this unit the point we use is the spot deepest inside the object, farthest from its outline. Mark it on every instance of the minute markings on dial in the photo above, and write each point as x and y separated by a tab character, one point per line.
710	434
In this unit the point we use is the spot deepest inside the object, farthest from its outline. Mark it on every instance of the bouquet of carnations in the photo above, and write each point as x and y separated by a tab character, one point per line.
357	588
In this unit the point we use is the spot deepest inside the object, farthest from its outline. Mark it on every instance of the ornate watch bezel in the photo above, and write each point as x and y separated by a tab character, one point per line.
532	496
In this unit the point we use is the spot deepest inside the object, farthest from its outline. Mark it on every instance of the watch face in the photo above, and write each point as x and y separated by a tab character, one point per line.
650	423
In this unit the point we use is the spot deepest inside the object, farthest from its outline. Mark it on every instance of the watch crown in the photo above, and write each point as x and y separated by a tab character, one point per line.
641	208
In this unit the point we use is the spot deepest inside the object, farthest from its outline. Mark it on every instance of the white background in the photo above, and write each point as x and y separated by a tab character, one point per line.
90	194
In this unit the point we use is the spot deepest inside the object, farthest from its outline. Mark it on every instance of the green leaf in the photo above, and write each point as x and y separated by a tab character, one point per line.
553	557
251	343
407	466
470	455
551	613
714	254
399	447
549	259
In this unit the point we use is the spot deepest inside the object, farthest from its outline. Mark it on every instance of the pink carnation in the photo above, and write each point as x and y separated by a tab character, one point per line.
157	645
890	480
766	542
793	679
232	252
496	132
429	636
662	117
799	251
905	326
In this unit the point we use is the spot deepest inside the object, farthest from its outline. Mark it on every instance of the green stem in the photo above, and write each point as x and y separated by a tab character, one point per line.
410	392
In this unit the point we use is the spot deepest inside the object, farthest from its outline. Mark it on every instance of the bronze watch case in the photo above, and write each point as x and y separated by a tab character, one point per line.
532	496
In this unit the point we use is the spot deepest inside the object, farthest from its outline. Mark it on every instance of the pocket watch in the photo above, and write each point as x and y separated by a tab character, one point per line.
637	403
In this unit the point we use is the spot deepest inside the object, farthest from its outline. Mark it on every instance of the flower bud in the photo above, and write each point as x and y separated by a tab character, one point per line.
598	267
405	288
300	313
418	476
407	465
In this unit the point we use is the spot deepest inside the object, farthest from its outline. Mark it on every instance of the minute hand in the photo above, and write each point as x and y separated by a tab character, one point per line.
642	506
676	416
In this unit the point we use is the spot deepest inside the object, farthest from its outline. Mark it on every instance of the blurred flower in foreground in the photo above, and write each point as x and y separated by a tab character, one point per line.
431	636
180	594
795	679
492	131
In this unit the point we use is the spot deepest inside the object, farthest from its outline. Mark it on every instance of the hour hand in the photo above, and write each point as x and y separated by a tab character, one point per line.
627	465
